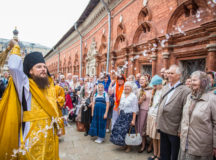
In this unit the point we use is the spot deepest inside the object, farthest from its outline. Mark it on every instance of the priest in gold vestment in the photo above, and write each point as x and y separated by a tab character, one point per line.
30	121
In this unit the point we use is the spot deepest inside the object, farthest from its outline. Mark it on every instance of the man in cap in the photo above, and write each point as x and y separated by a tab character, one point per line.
38	121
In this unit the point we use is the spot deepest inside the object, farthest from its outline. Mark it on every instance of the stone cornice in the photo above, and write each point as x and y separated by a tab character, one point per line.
153	57
193	53
211	47
212	37
165	55
95	17
51	55
189	44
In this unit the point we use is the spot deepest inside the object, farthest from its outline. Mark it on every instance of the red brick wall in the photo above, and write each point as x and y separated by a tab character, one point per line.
128	38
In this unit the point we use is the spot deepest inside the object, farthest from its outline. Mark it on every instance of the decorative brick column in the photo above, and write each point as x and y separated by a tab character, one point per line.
83	69
113	60
211	47
135	63
211	65
166	59
97	66
132	67
153	58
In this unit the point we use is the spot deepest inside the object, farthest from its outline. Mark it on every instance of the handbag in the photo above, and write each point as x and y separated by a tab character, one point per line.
80	127
133	139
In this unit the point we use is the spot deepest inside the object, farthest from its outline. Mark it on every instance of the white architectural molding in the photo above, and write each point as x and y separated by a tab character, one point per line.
91	59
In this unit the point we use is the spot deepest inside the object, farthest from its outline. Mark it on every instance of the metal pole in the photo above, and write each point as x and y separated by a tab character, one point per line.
109	34
80	49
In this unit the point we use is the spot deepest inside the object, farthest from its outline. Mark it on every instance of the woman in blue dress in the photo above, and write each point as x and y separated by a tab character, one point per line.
99	113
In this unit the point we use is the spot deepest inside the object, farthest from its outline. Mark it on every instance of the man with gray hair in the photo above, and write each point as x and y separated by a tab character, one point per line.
173	98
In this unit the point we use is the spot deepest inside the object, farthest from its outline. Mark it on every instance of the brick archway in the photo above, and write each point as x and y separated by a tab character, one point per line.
190	22
84	62
121	29
146	28
69	65
185	11
120	42
102	44
144	15
64	66
76	65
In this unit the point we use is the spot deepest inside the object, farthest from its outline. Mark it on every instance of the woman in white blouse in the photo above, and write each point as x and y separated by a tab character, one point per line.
128	108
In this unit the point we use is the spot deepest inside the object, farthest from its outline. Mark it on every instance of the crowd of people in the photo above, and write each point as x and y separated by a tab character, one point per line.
3	82
176	118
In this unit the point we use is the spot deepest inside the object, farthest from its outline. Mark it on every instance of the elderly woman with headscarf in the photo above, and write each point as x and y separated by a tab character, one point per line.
144	98
198	125
128	108
212	77
100	109
85	98
75	83
151	131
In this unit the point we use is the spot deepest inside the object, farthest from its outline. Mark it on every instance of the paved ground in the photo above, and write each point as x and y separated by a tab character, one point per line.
78	147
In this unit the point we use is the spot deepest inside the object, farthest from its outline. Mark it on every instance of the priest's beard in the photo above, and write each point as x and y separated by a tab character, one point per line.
42	83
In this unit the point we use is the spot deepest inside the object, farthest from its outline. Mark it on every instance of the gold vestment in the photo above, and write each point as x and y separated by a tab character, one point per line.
41	142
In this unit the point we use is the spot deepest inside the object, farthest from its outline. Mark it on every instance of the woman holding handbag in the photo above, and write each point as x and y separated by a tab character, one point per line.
128	108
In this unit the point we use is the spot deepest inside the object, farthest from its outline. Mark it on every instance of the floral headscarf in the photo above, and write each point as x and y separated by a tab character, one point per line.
204	84
204	87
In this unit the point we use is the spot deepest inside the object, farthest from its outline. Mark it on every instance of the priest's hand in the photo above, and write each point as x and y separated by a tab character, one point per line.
59	132
11	44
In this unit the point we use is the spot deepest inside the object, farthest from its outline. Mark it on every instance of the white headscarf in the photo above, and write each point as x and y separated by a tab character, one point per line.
62	76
